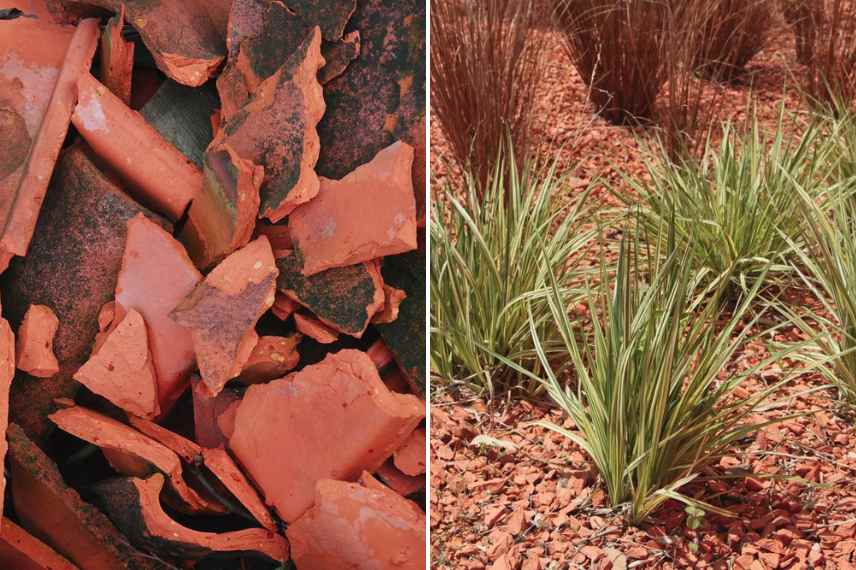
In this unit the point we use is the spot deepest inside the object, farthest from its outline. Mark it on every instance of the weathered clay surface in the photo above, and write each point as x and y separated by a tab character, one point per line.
207	413
54	512
331	15
117	58
338	55
284	306
151	254
369	213
345	298
20	550
315	329
7	373
128	450
222	311
157	173
380	355
223	467
405	336
380	98
341	420
352	526
121	369
399	482
276	129
34	349
188	450
272	358
186	44
23	74
410	457
278	235
392	301
223	215
72	266
134	506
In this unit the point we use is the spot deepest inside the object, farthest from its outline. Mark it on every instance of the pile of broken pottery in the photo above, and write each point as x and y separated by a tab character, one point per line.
213	253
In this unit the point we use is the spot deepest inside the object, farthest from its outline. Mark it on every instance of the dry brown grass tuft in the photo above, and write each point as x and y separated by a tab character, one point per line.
486	62
734	32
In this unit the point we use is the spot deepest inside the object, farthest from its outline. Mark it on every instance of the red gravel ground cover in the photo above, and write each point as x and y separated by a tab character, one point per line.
535	502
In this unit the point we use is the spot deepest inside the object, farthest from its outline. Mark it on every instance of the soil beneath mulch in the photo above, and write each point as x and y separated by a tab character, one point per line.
539	504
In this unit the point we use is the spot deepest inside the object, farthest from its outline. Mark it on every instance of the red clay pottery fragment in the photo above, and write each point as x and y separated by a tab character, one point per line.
315	329
222	312
117	58
344	298
121	369
220	463
129	451
207	412
338	56
392	300
405	336
157	173
34	350
380	98
272	357
336	416
20	550
276	129
223	215
7	373
284	306
56	514
188	450
186	44
37	134
399	482
156	275
352	526
410	457
134	506
369	213
72	266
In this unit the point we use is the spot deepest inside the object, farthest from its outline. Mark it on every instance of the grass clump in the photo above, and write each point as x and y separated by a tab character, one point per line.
735	208
486	63
653	400
489	258
735	31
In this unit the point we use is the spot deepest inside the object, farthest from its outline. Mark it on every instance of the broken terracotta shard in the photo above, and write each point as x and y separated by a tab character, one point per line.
188	450
129	451
20	550
72	266
34	349
276	129
121	369
392	301
345	298
380	98
352	526
207	411
405	336
7	373
117	58
186	44
341	420
398	481
278	235
157	173
410	457
369	213
272	358
222	312
27	71
223	215
315	329
330	15
284	306
55	513
156	275
223	467
226	420
134	506
338	55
